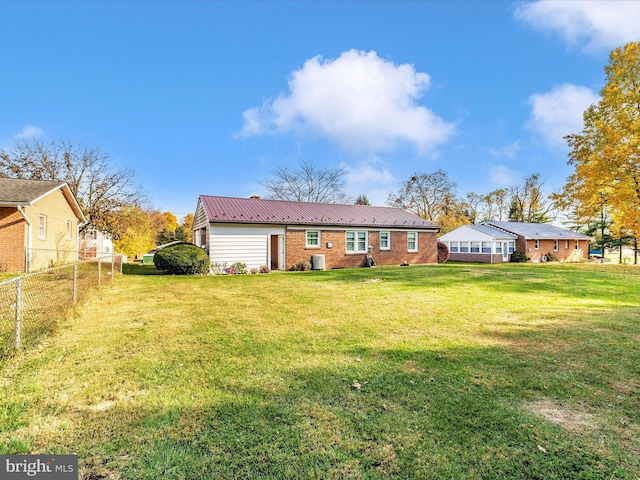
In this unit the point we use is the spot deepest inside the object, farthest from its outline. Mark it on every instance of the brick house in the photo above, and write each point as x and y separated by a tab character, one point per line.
39	222
280	233
486	242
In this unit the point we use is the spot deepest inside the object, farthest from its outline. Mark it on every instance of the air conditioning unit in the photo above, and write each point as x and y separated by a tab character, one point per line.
317	262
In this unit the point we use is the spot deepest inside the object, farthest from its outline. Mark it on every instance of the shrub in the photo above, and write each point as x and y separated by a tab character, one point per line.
218	268
519	257
264	269
237	268
182	259
301	266
443	252
550	257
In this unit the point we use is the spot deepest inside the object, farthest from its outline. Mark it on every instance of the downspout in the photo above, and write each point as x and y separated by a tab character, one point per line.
27	253
493	248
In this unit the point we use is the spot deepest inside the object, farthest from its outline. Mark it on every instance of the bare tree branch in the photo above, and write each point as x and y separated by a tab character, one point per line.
100	188
308	184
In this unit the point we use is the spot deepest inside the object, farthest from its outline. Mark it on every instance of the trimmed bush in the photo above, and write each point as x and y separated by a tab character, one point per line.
182	259
443	252
519	257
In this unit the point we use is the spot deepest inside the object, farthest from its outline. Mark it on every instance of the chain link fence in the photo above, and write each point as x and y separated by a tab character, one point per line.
31	305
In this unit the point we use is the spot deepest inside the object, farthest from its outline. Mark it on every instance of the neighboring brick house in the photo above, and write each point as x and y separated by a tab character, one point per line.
480	243
280	233
39	222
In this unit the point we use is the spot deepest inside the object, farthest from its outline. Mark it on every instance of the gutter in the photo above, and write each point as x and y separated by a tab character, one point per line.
27	265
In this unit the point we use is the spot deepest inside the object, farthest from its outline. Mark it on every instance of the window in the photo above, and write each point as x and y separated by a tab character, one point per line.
475	247
512	246
43	227
536	244
313	239
577	245
412	241
356	242
567	245
498	247
486	247
203	237
385	241
68	229
555	245
362	241
464	247
453	247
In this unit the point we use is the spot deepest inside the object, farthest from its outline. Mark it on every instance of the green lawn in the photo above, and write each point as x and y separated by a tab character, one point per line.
438	372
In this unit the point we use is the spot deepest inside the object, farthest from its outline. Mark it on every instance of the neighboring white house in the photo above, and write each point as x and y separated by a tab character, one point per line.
95	243
479	243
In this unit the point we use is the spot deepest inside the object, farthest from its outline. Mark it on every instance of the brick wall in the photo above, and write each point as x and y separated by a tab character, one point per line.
337	256
563	253
12	240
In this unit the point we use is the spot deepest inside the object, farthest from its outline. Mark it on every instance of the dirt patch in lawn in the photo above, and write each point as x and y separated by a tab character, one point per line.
560	415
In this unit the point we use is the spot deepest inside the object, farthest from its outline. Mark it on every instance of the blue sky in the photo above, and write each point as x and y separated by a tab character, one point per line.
210	97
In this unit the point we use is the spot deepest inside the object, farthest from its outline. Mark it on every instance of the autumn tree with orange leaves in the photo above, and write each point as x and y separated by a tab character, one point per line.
606	153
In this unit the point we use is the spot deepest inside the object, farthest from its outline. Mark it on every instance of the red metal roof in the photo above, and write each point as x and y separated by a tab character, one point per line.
281	212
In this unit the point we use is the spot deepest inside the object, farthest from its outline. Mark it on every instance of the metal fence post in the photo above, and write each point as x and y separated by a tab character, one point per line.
18	310
99	264
113	264
75	283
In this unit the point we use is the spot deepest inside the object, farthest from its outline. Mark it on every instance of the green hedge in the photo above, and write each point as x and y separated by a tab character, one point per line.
182	259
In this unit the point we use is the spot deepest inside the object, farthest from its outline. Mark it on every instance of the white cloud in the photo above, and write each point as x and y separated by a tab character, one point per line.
592	24
503	176
508	151
559	112
365	179
360	101
29	131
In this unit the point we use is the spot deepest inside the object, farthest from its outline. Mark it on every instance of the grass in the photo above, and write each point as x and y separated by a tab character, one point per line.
451	371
